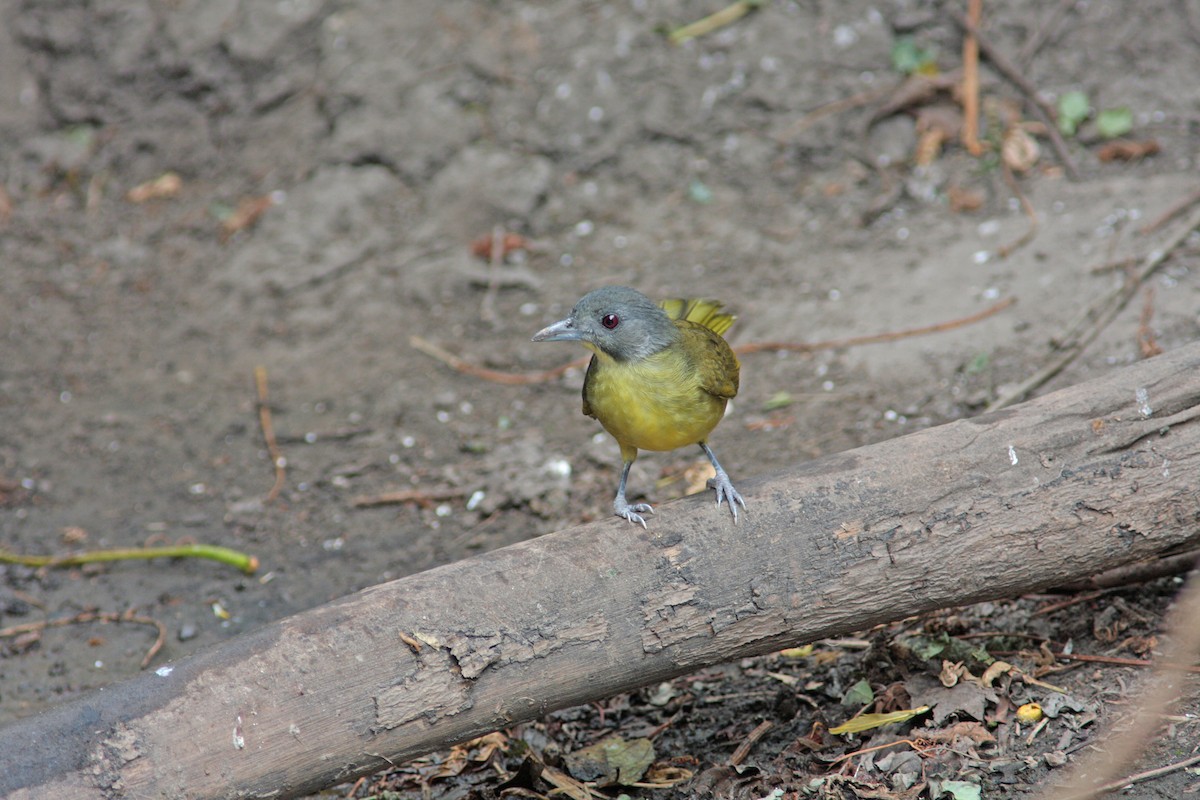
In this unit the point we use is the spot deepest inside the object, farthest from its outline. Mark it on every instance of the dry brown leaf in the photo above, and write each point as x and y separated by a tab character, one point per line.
952	672
961	199
248	210
1019	150
994	671
1126	150
482	247
168	184
975	731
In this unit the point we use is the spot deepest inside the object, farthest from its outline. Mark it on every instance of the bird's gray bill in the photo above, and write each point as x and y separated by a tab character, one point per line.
562	331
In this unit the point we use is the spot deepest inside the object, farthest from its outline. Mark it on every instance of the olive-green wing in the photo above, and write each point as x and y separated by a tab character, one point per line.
714	361
703	312
587	386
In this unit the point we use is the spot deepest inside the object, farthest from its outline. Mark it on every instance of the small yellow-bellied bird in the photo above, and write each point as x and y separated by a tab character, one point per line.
659	377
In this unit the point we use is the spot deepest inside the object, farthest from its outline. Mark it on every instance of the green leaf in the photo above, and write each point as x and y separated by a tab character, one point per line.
866	722
909	58
927	648
612	761
978	364
961	790
1114	122
1073	108
778	400
699	193
858	695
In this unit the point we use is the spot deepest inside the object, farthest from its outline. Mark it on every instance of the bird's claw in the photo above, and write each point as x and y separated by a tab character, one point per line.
726	492
634	512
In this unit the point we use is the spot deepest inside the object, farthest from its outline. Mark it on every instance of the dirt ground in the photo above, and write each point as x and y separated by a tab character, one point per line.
336	161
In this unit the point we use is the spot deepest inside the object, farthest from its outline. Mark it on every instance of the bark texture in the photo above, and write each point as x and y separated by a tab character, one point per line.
1057	489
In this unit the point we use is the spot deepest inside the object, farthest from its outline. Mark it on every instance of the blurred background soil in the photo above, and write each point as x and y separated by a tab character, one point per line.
192	189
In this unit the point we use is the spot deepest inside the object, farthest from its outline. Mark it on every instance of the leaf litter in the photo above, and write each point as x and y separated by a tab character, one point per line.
919	709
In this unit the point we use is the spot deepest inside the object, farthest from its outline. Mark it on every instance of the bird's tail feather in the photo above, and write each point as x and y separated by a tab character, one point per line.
703	312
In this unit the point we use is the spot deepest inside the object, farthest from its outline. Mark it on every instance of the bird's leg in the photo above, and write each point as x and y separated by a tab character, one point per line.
621	506
721	483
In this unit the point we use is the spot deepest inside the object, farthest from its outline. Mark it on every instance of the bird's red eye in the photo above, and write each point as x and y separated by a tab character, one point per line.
610	321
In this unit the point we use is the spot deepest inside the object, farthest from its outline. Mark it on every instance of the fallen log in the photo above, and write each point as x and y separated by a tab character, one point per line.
1057	489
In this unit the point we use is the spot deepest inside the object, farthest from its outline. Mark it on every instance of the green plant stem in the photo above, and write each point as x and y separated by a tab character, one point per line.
246	563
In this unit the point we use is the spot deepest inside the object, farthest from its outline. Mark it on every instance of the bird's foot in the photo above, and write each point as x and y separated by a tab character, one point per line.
634	512
726	492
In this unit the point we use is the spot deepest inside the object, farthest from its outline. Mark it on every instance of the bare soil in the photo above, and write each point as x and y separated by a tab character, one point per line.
379	141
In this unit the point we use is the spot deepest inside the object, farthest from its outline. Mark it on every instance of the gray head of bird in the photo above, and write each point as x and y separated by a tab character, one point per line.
616	320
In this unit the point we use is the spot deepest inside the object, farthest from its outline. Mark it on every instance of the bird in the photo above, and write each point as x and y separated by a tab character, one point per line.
659	378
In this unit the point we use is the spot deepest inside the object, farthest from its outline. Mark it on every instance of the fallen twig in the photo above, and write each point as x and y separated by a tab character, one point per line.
1171	213
876	338
234	558
1147	342
1147	775
1044	32
1139	572
520	379
1101	313
829	109
423	498
95	616
745	747
726	16
970	84
1120	661
1004	251
1040	107
1070	601
496	376
268	429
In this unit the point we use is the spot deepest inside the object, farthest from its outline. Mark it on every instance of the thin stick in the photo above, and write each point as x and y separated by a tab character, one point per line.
745	747
829	109
95	616
970	84
1043	32
876	338
268	429
1139	572
1070	601
1171	213
1043	109
496	376
1118	661
1147	341
1147	775
913	743
1102	312
421	498
246	563
522	379
1005	251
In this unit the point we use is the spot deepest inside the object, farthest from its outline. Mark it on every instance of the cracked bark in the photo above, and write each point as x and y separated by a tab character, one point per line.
1054	490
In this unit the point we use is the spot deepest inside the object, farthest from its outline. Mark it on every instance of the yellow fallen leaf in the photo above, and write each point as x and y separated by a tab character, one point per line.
797	652
1029	713
866	722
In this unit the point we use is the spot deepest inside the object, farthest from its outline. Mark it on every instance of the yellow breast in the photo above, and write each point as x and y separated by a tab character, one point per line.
654	404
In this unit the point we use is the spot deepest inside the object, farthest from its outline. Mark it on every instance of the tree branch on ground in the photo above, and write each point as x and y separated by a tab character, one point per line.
1055	490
